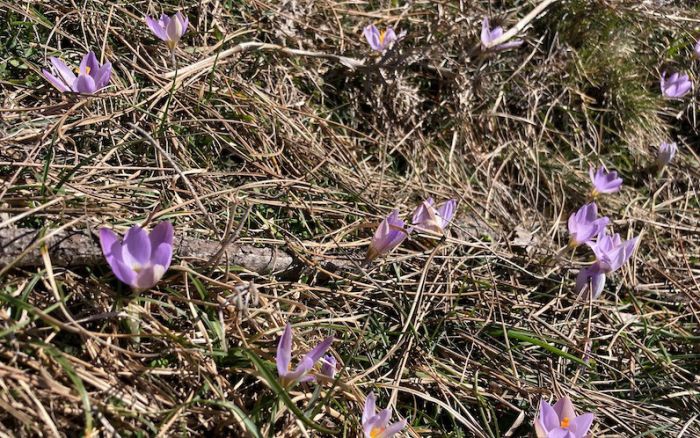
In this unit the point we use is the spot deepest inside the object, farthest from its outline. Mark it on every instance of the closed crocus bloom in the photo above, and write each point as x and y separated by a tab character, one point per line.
329	366
604	181
427	217
169	29
379	41
488	35
142	258
91	76
388	236
561	421
611	253
675	86
666	153
289	376
376	425
585	224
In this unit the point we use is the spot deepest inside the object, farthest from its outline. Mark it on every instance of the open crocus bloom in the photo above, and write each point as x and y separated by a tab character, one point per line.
611	253
289	377
379	41
169	29
377	425
666	153
141	259
388	236
676	86
584	224
488	35
427	217
560	421
91	77
604	181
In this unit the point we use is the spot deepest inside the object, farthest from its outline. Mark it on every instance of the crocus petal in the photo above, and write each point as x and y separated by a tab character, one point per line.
564	408
446	211
284	351
509	45
595	276
184	22
162	255
84	84
89	64
123	272
548	416
60	86
540	431
174	30
389	37
580	425
103	75
485	31
137	247
320	349
107	239
393	429
63	70
329	366
382	418
369	408
559	433
156	28
149	277
161	233
372	35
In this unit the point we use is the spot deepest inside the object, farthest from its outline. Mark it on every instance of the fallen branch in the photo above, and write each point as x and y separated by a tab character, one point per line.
20	248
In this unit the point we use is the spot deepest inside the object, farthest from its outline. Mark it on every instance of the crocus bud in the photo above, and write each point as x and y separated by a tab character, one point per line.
488	35
289	376
329	366
388	236
666	153
169	29
428	218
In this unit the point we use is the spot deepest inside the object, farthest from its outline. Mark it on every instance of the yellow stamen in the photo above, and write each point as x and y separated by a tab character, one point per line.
382	34
565	423
374	433
87	70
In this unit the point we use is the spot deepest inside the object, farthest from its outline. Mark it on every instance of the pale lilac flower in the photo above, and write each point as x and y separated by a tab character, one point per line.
377	425
380	41
604	181
91	77
288	376
676	86
584	224
329	366
169	29
561	421
611	253
142	258
488	35
666	153
388	236
427	217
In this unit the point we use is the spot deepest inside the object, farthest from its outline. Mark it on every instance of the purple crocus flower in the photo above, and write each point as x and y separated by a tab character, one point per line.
91	77
584	224
169	29
288	376
666	153
561	421
388	236
676	86
489	35
329	366
377	425
380	41
611	253
142	258
427	217
604	181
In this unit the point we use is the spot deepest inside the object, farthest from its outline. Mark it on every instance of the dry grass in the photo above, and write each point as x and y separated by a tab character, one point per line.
462	336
